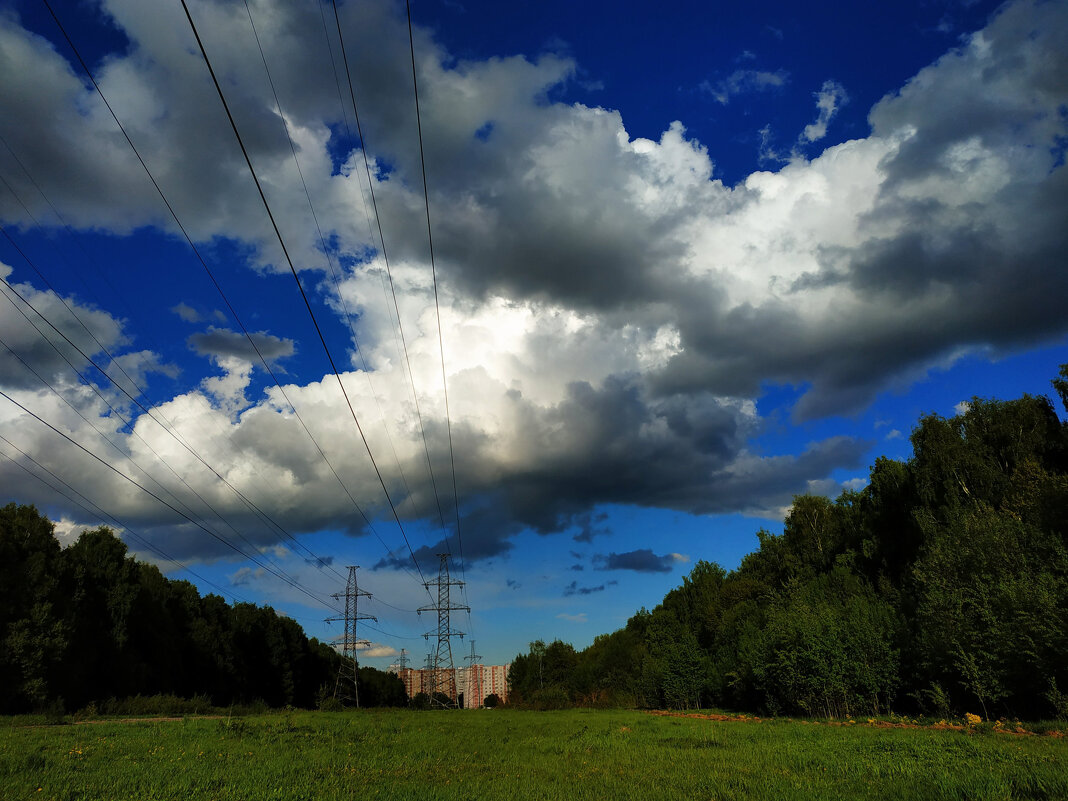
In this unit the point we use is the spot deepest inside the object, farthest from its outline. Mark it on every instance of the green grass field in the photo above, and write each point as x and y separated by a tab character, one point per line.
504	754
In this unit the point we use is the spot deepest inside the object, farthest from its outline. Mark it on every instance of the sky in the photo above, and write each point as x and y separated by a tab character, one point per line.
682	264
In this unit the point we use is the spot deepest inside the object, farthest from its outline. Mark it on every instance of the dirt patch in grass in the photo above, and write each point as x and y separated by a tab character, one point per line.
942	725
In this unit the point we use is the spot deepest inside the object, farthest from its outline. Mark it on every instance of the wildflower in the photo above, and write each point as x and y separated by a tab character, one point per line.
971	719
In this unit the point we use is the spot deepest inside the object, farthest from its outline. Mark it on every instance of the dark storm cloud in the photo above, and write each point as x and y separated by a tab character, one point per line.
621	447
220	342
617	444
642	560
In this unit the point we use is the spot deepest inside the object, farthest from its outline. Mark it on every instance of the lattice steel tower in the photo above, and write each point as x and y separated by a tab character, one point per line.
348	672
474	679
443	677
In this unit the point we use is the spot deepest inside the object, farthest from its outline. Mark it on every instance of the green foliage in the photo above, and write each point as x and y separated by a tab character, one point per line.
89	624
829	649
941	586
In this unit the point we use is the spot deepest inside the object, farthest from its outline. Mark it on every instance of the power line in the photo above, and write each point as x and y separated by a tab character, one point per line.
114	361
437	304
321	563
326	252
291	582
300	286
389	272
104	516
211	276
74	314
105	437
252	506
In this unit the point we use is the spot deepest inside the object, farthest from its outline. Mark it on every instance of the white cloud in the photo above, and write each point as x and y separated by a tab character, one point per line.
829	99
377	650
741	82
246	575
581	617
187	313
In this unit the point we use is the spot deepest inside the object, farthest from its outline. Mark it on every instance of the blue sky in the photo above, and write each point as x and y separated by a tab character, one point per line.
690	261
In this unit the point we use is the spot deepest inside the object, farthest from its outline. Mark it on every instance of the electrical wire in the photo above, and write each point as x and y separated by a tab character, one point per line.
281	576
211	275
134	400
143	363
329	260
103	516
437	304
300	285
389	272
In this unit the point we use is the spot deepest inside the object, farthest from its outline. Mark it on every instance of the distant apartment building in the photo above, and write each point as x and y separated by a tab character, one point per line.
473	683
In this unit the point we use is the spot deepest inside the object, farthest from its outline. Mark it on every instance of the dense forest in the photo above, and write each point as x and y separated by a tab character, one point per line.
941	587
89	623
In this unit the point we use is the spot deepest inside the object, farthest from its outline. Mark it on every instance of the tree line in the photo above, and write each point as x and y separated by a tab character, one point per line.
939	588
88	623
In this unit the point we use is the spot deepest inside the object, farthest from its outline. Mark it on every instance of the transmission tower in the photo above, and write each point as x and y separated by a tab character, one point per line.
348	671
474	678
402	660
443	677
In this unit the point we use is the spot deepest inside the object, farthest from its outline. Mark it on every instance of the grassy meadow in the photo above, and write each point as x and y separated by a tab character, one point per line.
503	754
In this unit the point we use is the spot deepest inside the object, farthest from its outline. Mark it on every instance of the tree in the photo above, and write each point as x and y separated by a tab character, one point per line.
33	636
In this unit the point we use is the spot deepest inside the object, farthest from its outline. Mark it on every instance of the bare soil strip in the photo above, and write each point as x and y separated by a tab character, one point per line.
871	724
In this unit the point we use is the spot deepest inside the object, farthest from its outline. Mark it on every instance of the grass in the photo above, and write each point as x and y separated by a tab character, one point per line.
503	754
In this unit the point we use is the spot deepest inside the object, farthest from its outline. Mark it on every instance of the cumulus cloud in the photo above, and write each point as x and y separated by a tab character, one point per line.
610	310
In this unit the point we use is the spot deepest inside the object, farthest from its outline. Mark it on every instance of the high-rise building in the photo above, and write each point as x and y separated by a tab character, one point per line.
473	683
